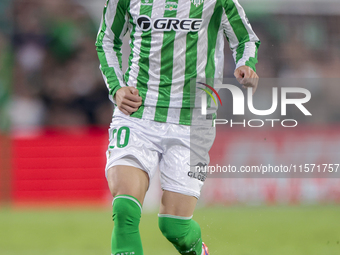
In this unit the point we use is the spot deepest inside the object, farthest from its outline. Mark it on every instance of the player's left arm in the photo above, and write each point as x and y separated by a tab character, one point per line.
242	41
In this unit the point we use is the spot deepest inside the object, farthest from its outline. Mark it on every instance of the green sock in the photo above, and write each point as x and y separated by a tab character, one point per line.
125	235
183	232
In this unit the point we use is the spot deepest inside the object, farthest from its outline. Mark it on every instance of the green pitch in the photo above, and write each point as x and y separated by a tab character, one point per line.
227	231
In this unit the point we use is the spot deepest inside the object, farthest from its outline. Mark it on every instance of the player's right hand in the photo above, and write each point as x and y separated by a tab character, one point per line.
128	99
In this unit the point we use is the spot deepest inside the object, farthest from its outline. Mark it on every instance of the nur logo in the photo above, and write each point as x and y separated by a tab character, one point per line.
204	97
239	104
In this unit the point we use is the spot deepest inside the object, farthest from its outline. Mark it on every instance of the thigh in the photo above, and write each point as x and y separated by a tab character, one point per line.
177	204
128	180
132	157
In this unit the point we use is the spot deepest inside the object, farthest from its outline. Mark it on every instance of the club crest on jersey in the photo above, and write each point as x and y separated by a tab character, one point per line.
171	6
197	2
146	2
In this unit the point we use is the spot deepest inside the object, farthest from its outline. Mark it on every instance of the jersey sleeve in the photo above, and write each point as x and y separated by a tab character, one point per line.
109	41
242	40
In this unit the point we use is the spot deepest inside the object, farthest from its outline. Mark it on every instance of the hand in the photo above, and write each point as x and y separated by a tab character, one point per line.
247	77
128	100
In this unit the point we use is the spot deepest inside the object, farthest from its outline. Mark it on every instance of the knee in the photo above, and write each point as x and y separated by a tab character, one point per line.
175	230
169	231
126	211
127	180
183	233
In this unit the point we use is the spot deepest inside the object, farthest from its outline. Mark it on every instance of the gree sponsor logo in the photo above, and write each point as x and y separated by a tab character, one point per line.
145	23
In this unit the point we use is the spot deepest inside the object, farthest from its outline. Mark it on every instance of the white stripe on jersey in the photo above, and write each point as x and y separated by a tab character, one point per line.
134	67
202	46
219	54
178	74
233	41
202	42
154	64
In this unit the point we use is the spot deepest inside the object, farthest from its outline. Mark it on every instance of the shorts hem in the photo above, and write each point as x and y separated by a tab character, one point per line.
183	191
120	162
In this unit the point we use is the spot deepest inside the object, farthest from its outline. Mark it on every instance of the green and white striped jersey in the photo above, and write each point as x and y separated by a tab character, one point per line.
172	42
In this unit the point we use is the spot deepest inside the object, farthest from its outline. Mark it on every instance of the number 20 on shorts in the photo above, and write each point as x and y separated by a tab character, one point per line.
121	141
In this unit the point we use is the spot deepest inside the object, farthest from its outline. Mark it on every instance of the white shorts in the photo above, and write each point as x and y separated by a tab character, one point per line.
175	149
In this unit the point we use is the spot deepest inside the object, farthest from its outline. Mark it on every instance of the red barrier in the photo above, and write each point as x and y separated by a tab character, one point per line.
60	166
297	147
5	168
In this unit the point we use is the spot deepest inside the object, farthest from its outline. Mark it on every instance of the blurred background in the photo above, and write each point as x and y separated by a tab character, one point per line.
55	112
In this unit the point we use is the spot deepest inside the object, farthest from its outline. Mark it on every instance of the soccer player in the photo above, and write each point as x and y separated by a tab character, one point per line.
157	121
